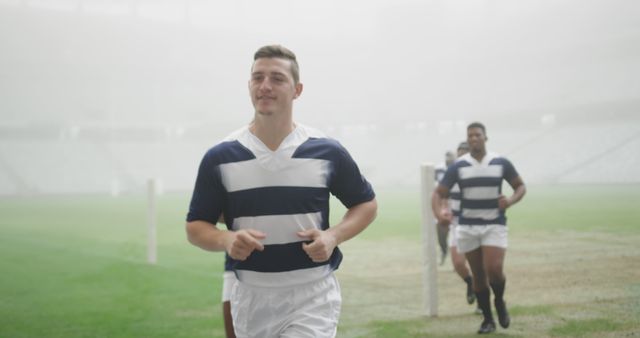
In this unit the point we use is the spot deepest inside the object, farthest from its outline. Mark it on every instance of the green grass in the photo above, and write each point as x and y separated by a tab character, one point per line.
76	267
579	328
536	310
610	208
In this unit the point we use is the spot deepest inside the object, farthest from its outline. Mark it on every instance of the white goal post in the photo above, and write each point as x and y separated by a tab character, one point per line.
429	240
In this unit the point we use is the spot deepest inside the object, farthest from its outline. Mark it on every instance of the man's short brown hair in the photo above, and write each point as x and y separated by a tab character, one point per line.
277	51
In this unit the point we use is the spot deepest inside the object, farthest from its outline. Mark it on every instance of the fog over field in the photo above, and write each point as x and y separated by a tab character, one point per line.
100	96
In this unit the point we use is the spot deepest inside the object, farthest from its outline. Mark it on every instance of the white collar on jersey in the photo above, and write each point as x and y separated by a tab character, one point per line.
280	158
485	160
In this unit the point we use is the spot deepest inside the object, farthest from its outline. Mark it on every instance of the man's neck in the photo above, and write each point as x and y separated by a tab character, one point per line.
479	155
271	130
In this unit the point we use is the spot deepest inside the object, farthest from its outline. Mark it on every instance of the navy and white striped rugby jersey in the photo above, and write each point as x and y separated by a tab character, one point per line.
279	193
440	169
454	202
480	186
454	192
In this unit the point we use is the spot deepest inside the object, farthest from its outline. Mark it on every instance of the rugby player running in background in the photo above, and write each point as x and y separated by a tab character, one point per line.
481	231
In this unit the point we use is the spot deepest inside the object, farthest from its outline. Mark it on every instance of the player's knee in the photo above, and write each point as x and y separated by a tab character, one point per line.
459	264
495	273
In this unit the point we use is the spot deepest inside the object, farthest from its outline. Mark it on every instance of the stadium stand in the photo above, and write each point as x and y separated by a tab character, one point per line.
567	153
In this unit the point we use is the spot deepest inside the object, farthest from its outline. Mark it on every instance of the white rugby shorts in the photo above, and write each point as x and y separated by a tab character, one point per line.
229	279
307	310
471	237
453	239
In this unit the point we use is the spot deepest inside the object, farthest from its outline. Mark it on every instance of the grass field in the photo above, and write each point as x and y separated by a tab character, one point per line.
75	267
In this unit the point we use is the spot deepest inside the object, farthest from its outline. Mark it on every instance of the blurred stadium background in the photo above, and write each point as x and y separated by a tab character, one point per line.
100	96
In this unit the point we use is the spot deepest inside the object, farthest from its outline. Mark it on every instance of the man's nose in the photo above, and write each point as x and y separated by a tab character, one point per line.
265	85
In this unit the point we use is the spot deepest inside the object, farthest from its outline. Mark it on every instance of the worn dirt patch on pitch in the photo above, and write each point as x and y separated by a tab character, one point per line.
565	271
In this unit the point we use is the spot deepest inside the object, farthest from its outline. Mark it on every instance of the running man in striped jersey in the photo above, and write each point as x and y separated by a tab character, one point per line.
272	180
458	260
482	232
443	231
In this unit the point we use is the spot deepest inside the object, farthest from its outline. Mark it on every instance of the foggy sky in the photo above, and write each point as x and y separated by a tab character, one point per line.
375	61
378	75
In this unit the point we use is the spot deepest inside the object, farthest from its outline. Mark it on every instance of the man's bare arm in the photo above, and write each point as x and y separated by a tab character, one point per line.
439	205
519	190
238	244
355	220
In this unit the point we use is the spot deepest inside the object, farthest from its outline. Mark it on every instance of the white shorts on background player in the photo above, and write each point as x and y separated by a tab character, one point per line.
229	279
307	310
471	237
453	239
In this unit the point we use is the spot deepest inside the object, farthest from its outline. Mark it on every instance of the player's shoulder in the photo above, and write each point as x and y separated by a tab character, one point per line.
310	132
318	145
230	148
462	161
236	134
497	159
318	138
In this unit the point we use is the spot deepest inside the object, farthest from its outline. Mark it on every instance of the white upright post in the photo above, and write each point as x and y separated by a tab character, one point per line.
429	252
151	222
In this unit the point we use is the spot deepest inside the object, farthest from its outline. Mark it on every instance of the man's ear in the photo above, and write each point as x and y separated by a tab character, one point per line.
298	88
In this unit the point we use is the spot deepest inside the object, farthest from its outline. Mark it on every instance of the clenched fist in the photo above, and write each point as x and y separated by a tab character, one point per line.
321	246
243	242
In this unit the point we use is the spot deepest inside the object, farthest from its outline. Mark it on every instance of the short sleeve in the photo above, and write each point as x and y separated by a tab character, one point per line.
450	177
348	184
509	172
207	199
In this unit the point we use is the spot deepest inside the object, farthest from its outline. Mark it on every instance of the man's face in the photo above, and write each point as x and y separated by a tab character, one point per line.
476	139
272	87
449	158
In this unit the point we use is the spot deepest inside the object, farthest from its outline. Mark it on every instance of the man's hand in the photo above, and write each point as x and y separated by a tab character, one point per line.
444	217
241	243
322	245
503	202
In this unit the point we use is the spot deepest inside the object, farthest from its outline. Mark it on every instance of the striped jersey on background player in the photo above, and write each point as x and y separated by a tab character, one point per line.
481	231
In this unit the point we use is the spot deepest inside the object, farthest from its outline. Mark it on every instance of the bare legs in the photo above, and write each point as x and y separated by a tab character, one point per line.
460	266
486	264
228	322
